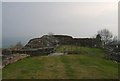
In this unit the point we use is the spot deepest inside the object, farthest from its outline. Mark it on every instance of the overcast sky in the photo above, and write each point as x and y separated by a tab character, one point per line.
78	19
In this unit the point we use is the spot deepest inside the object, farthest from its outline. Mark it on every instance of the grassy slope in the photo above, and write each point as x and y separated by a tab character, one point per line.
88	64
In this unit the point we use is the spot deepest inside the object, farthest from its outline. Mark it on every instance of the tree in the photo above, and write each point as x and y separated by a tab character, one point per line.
106	36
50	33
115	40
18	46
98	37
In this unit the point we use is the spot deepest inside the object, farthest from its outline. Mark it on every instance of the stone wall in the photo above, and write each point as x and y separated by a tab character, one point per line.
64	39
44	41
47	41
112	52
68	40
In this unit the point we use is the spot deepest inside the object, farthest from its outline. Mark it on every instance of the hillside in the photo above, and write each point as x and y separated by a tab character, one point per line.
89	64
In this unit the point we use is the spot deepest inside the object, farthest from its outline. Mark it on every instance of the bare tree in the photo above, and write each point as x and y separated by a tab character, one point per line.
106	36
115	40
50	33
18	46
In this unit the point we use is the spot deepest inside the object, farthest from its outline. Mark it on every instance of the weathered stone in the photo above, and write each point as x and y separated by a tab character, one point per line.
47	41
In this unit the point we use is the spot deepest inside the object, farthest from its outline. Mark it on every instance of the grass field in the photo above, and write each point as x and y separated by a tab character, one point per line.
89	64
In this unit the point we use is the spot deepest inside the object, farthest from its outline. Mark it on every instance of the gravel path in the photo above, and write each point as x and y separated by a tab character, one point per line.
55	54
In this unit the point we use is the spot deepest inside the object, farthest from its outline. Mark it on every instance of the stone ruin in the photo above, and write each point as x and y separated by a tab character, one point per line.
46	43
51	41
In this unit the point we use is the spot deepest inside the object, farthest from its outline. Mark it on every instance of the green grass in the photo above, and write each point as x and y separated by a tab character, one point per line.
81	50
89	64
68	68
0	74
